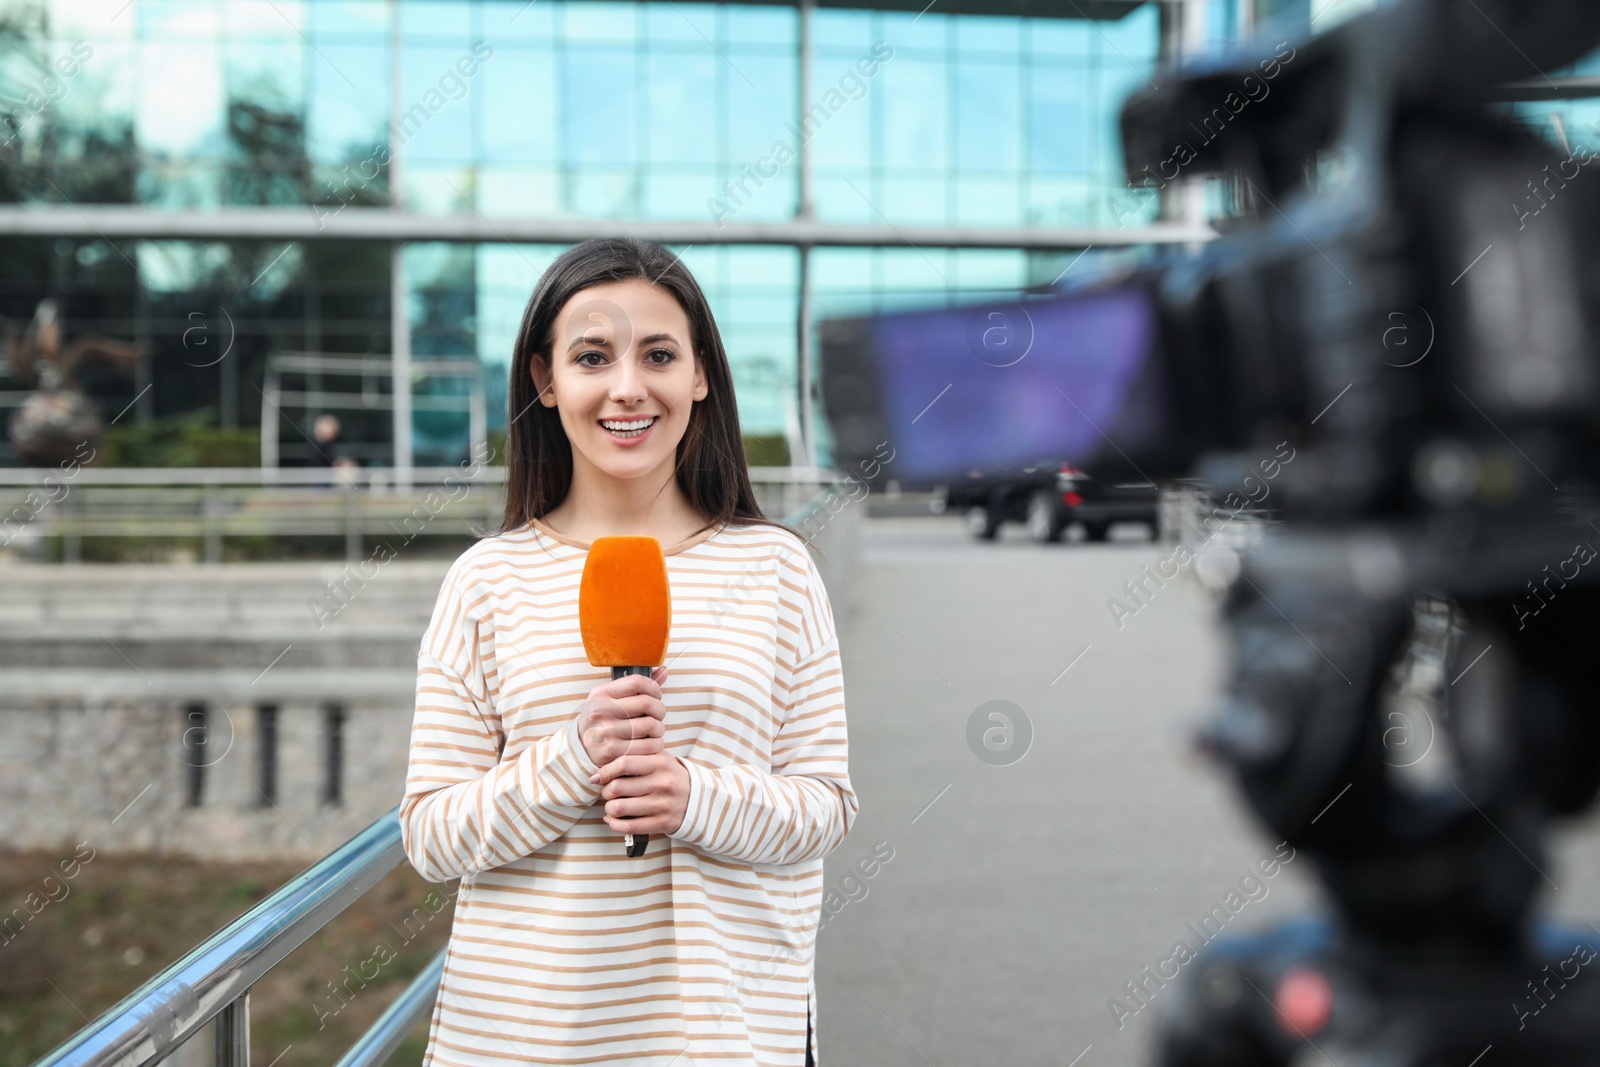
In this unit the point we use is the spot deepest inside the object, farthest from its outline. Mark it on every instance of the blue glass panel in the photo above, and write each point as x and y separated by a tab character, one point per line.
842	280
597	89
1135	36
915	33
682	193
988	117
913	200
174	185
181	266
282	20
678	22
1060	38
850	30
915	116
979	34
758	119
840	128
909	273
519	192
437	22
437	190
506	275
88	20
982	201
503	22
605	23
749	306
364	18
1116	85
609	192
269	74
1222	20
772	26
681	110
434	124
177	20
179	108
743	194
1068	201
844	194
101	98
341	120
989	270
1059	118
519	103
777	268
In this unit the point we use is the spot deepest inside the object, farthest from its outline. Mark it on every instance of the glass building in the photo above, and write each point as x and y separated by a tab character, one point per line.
234	182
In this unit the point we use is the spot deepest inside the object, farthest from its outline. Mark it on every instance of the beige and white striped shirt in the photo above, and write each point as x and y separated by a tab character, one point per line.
564	950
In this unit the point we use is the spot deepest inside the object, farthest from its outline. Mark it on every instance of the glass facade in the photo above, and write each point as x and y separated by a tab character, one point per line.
510	110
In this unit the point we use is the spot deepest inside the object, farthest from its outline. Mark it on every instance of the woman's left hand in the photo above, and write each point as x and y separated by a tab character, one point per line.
644	794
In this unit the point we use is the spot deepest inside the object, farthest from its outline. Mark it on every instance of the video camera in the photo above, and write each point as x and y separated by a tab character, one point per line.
1408	292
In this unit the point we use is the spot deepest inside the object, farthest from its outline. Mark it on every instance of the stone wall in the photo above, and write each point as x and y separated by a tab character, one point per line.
101	667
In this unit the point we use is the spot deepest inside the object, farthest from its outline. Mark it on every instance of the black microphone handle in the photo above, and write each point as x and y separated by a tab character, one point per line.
635	842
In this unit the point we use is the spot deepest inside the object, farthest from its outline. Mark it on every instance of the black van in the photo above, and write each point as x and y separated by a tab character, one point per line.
1049	499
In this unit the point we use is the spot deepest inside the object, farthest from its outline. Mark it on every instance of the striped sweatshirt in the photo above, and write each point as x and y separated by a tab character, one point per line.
563	950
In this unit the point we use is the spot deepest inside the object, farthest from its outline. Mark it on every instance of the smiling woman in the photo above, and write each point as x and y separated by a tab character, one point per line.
622	376
527	764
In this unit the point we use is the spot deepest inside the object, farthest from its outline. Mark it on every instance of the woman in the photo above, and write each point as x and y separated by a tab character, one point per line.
527	766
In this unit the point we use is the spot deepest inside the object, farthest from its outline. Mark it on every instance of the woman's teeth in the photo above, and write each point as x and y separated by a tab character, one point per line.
627	427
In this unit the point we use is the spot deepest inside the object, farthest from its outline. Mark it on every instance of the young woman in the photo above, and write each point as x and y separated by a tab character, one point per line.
527	765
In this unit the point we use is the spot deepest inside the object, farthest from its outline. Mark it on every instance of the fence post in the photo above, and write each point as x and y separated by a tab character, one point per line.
71	543
352	524
232	1028
213	537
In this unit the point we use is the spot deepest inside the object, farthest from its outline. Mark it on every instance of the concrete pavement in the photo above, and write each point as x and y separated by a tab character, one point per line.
1021	898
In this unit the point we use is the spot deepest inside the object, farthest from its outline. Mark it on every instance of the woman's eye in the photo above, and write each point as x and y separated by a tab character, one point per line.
671	355
582	356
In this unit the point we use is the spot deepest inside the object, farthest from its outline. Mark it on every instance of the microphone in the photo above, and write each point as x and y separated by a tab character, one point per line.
625	613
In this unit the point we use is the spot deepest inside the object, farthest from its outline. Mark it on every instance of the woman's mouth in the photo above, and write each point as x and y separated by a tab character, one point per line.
629	431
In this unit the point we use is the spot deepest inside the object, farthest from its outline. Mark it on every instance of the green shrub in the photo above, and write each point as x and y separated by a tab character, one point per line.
766	450
187	440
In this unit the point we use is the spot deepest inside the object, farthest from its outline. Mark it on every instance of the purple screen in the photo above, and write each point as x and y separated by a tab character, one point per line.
1004	386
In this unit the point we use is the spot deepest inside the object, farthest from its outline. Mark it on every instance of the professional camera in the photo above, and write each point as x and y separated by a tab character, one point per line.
1407	294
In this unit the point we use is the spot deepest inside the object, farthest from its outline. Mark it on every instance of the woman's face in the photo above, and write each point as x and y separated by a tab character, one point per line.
622	376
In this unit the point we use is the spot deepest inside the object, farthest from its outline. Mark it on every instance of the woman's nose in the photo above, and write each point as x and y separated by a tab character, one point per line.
627	385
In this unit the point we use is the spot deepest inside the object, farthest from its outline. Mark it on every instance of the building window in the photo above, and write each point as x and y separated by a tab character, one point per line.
196	732
333	763
267	753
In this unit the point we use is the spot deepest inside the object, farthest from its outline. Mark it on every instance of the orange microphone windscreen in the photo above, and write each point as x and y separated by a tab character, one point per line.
624	604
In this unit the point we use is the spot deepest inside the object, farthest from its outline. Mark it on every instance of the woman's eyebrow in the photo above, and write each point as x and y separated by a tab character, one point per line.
602	342
576	341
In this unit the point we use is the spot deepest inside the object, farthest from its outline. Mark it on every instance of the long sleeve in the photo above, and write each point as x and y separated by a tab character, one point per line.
468	805
803	806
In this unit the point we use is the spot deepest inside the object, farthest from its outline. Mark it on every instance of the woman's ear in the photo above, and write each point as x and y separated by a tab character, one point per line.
700	387
541	381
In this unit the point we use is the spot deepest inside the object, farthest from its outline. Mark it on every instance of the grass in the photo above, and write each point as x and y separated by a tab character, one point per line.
120	919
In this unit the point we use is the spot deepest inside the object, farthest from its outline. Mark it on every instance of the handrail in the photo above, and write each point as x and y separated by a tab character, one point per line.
214	979
385	1035
153	1020
316	476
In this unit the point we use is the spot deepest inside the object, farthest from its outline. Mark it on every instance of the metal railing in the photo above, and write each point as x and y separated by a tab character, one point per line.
373	373
211	505
213	981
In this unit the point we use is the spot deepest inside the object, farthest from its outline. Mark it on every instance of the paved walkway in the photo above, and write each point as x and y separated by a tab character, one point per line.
1021	898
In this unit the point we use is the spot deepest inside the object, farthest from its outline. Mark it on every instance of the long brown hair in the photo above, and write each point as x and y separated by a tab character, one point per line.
710	461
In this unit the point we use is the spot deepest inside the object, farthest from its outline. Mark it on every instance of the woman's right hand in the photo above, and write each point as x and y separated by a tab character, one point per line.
624	716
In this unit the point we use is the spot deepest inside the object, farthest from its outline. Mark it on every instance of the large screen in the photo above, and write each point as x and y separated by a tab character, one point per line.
993	388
